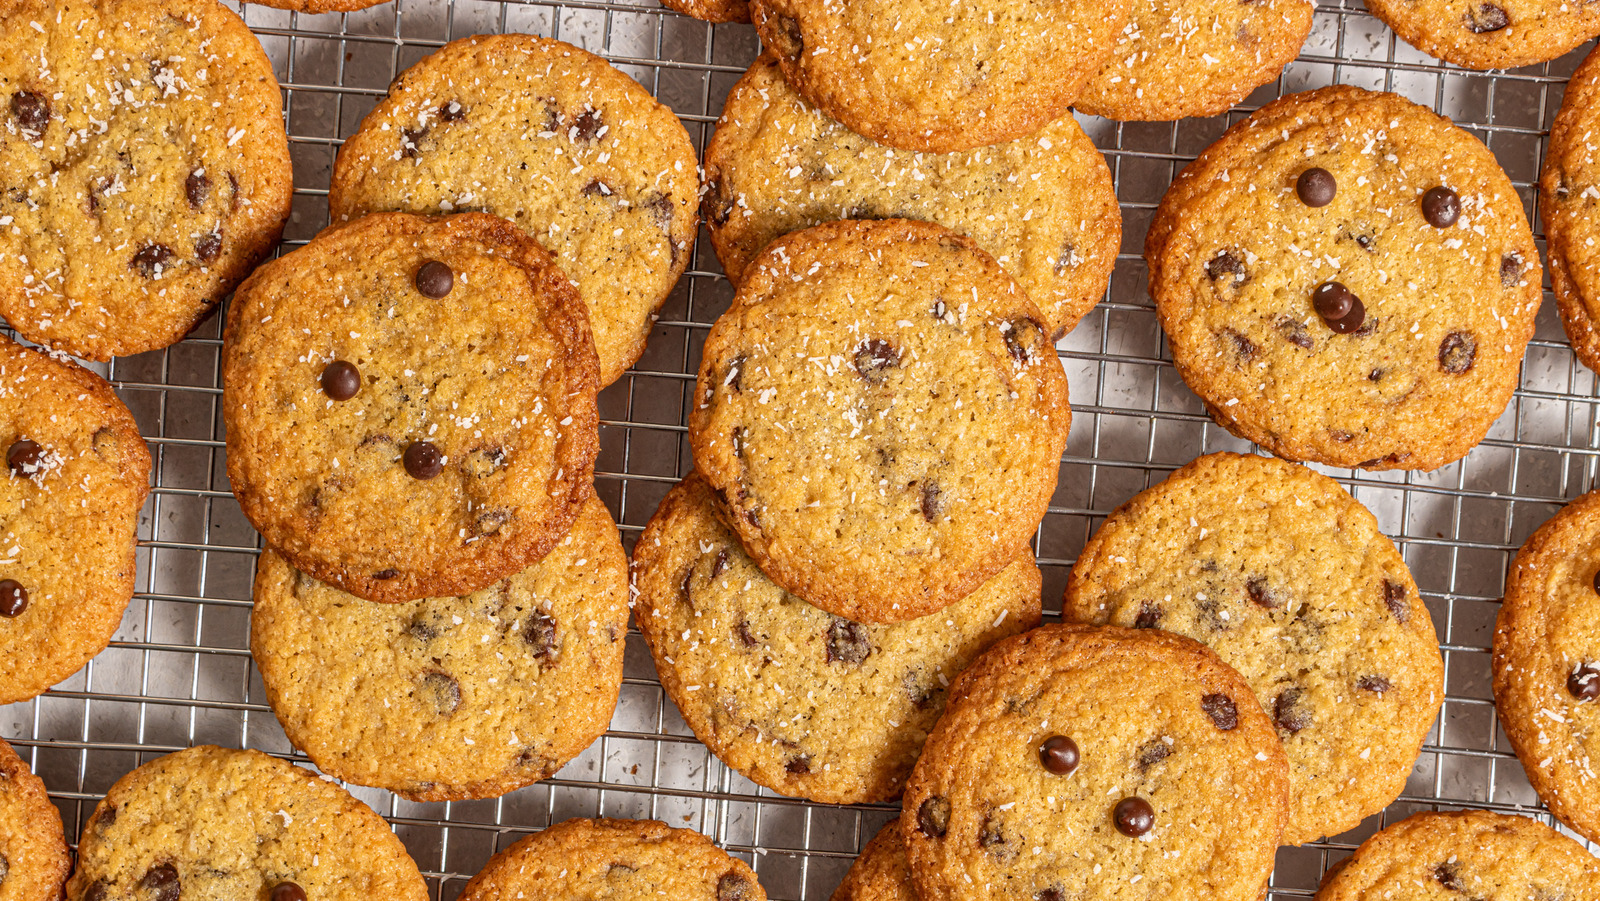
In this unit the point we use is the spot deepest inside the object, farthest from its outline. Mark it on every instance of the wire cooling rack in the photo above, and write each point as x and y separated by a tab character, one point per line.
179	672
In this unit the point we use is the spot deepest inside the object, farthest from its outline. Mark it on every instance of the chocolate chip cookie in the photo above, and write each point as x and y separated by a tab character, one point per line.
214	822
76	477
1097	763
1465	854
881	873
144	168
33	850
941	77
1547	662
1569	195
712	10
883	414
801	701
410	404
1179	58
555	139
449	698
1042	204
1347	278
1287	578
1491	35
581	859
318	6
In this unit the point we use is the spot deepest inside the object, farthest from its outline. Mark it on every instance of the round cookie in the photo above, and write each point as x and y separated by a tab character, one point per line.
1085	763
1547	662
1289	580
214	822
883	415
33	850
144	165
401	444
1347	278
1502	34
1181	58
449	698
625	860
556	140
76	478
318	6
881	873
1042	205
1569	188
1465	854
800	701
711	10
941	77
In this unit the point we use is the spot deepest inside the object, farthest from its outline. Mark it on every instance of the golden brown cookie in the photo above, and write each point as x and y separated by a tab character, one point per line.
1569	202
881	873
33	850
318	6
1499	34
712	10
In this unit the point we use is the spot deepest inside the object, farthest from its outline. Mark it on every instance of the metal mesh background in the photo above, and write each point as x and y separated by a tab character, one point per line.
179	672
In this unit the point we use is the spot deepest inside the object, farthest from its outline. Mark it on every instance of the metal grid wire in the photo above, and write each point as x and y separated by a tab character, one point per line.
179	672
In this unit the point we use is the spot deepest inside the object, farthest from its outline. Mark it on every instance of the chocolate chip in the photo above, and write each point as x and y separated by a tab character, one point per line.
1596	582
741	630
1153	752
1240	344
1457	352
933	816
1149	616
738	439
1021	335
662	209
544	640
1059	755
162	883
1441	207
452	112
13	598
484	461
932	501
5	868
434	279
1316	187
1223	712
992	837
734	886
597	188
106	818
1448	875
288	891
939	310
1583	682
440	690
1339	307
1134	816
1068	257
1050	894
848	642
208	246
718	203
411	141
422	630
1290	715
25	457
491	520
196	187
798	766
1394	597
31	109
720	564
1373	683
1510	270
1485	17
787	38
1375	375
873	357
587	126
1260	594
1225	263
423	460
151	259
341	380
97	891
1293	331
735	377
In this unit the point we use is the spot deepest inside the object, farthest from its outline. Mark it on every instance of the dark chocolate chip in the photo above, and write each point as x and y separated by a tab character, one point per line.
13	598
452	112
1021	335
1294	332
151	259
434	279
423	460
597	188
411	141
1134	816
32	110
208	246
933	816
1457	352
587	126
848	642
1583	682
1290	715
1067	257
288	891
1149	616
233	195
1223	712
1366	242
1373	683
932	501
422	630
742	631
718	203
1441	207
1394	597
1316	187
1596	582
738	439
939	310
1376	374
1483	18
341	380
1225	263
25	457
491	520
441	690
873	357
735	377
384	575
1153	752
544	640
1240	344
1448	875
1510	270
1339	307
1050	894
992	837
1260	594
787	38
483	462
662	209
734	886
106	818
162	883
1059	754
197	188
720	564
798	766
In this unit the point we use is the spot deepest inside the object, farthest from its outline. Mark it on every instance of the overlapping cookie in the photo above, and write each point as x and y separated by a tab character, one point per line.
881	873
1569	202
1499	34
33	850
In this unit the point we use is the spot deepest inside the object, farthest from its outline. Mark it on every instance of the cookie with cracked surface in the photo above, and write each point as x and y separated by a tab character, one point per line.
1501	34
555	139
1347	278
1287	577
214	822
1547	662
580	859
33	849
1569	200
1180	58
410	404
449	698
1465	854
1043	205
881	873
941	78
144	168
883	414
76	477
1097	764
801	701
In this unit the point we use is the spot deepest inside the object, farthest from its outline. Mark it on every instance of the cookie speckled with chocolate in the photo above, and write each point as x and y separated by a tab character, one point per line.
941	77
1043	205
556	140
1569	204
33	850
1375	317
1179	58
881	873
1179	789
214	822
462	446
144	168
449	698
1547	662
802	701
579	859
883	414
1287	578
1491	34
1465	854
76	477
